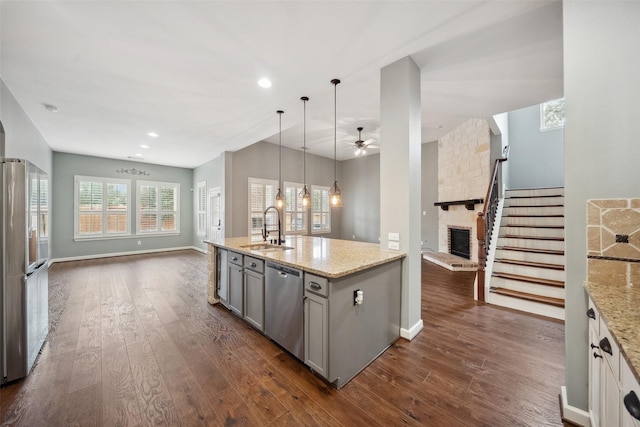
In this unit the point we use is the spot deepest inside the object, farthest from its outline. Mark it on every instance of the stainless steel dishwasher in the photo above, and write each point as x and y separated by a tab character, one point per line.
284	309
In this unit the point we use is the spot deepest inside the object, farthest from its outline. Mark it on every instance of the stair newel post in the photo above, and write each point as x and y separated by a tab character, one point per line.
482	254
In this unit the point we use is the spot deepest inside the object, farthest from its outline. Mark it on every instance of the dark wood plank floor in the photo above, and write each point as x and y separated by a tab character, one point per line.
133	342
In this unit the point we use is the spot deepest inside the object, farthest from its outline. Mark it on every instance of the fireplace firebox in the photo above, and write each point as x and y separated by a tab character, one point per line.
460	242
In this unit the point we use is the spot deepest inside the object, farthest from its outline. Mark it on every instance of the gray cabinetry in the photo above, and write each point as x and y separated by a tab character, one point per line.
316	321
223	277
254	292
236	284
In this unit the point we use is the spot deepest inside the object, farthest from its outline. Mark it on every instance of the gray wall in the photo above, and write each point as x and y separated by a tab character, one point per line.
213	173
429	190
66	166
260	160
537	158
22	139
361	194
602	88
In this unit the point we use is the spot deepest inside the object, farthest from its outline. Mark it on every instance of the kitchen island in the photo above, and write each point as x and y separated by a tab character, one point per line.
341	305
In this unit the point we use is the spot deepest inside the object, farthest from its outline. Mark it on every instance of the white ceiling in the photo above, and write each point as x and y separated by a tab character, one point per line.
188	70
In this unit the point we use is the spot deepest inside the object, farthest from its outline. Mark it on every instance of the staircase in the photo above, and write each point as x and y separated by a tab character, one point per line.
528	267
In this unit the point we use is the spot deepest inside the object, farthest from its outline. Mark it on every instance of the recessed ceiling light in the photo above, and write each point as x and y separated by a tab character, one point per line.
144	146
264	82
152	134
138	155
51	108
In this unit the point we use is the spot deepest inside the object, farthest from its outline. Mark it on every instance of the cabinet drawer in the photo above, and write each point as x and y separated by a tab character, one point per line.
631	402
612	358
254	264
235	258
594	317
316	284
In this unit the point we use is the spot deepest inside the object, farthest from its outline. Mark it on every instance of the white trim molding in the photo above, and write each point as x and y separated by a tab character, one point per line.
115	254
411	333
571	413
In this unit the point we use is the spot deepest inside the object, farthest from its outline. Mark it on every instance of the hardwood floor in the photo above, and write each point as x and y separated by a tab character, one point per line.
134	342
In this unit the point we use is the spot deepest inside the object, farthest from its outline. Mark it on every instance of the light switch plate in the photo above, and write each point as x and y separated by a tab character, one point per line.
394	236
394	245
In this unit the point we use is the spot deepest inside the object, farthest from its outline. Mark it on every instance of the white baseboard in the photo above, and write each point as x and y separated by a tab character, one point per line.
115	254
409	334
571	413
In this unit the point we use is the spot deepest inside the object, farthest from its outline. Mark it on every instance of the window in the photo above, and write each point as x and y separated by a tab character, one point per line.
295	215
101	207
201	212
158	208
320	207
262	194
552	115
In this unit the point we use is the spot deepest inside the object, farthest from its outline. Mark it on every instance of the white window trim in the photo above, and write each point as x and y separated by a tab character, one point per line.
76	208
304	211
201	208
264	182
324	230
543	128
159	211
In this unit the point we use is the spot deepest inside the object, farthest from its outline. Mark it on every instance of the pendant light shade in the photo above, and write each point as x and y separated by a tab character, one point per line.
335	195
305	194
280	199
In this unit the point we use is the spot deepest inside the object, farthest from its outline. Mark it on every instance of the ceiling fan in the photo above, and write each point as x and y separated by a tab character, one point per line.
361	146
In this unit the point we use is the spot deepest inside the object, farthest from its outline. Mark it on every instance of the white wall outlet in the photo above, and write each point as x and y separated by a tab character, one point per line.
139	242
354	236
394	236
358	297
394	245
424	213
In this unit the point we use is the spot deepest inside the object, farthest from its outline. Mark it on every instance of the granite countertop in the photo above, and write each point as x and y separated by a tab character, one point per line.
610	285
331	258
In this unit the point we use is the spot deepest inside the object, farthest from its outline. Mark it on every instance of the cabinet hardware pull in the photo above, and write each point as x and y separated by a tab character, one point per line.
605	345
253	264
594	346
591	314
234	258
596	355
314	285
632	404
282	273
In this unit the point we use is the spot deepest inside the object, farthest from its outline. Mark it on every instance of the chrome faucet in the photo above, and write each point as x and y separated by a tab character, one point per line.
265	232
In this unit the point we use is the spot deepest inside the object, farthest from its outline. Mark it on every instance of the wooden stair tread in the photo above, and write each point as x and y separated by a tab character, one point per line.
516	236
507	196
534	250
533	226
536	280
533	216
530	263
535	206
557	302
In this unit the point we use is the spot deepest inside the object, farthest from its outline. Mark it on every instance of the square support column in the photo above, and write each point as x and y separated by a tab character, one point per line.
400	180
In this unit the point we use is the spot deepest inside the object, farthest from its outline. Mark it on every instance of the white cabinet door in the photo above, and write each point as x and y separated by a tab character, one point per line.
610	402
595	365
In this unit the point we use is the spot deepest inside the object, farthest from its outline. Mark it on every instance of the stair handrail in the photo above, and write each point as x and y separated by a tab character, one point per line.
486	219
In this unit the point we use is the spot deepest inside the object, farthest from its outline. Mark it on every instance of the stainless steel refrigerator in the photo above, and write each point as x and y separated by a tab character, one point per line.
24	320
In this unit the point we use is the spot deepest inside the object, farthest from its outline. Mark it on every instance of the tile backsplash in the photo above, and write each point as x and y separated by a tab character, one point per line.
613	229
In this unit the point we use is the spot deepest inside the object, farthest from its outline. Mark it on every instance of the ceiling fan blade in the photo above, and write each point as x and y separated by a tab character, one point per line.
369	141
374	146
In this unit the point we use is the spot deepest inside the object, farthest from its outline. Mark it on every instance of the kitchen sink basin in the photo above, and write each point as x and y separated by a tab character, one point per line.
266	247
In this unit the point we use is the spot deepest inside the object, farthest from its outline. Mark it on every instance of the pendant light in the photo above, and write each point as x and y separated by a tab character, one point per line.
335	195
280	199
306	195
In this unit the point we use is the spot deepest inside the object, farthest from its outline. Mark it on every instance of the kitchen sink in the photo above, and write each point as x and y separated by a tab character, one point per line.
266	247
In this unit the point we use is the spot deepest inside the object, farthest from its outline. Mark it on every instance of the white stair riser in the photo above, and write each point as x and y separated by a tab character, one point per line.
534	201
530	288
528	271
554	245
532	231
533	221
527	306
534	192
530	256
535	210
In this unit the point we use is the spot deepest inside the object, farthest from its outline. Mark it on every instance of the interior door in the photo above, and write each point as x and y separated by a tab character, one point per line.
216	226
